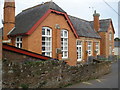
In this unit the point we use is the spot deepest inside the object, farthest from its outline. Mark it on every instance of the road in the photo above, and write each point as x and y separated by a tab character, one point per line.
107	81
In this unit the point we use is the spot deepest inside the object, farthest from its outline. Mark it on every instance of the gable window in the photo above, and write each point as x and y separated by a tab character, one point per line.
97	48
64	43
89	48
79	50
110	36
47	41
18	42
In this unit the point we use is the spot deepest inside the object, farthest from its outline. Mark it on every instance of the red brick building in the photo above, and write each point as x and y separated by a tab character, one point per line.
47	29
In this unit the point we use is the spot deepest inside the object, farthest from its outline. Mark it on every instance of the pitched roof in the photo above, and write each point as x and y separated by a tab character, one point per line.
117	43
83	28
25	52
27	18
104	25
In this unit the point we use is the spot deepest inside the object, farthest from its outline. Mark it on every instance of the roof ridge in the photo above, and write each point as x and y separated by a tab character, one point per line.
106	19
43	3
78	18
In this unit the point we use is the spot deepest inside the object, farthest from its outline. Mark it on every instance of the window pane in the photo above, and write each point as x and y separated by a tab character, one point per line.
17	39
48	31
43	31
43	39
65	39
20	45
62	48
65	33
20	39
78	42
43	53
43	43
65	54
17	44
43	48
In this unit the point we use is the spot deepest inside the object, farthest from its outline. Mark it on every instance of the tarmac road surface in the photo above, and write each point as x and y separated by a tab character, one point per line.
107	81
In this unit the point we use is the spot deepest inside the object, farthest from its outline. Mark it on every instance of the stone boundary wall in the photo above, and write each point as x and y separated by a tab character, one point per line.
48	74
21	71
0	59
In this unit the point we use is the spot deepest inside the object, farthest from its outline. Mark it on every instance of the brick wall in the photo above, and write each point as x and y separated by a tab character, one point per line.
33	42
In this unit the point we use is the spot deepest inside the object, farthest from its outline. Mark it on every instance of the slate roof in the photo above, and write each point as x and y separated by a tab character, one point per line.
104	24
117	43
83	27
27	18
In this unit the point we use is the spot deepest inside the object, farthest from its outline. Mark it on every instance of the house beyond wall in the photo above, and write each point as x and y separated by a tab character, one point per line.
34	41
56	34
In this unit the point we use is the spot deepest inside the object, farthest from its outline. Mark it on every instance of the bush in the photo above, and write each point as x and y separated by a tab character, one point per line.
24	85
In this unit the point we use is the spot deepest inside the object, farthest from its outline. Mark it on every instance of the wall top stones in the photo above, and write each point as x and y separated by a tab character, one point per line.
9	0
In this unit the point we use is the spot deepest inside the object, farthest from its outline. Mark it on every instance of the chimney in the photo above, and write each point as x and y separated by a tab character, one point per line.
9	17
96	21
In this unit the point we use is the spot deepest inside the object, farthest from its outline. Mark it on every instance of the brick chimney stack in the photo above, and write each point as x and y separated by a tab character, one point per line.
96	21
9	17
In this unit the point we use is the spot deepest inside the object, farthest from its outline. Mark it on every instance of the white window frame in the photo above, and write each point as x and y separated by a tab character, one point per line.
64	43
89	48
110	50
97	47
18	42
110	36
79	50
47	42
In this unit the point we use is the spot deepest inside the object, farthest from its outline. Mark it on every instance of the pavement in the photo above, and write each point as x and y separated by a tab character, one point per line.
107	81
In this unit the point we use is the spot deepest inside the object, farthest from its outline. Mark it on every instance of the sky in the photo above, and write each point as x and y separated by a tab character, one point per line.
83	9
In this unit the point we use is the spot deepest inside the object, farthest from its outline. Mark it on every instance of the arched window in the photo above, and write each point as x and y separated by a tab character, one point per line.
97	48
79	50
18	42
47	41
64	43
89	48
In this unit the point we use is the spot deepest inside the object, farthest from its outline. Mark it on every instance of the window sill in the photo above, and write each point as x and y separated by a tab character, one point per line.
79	60
65	59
